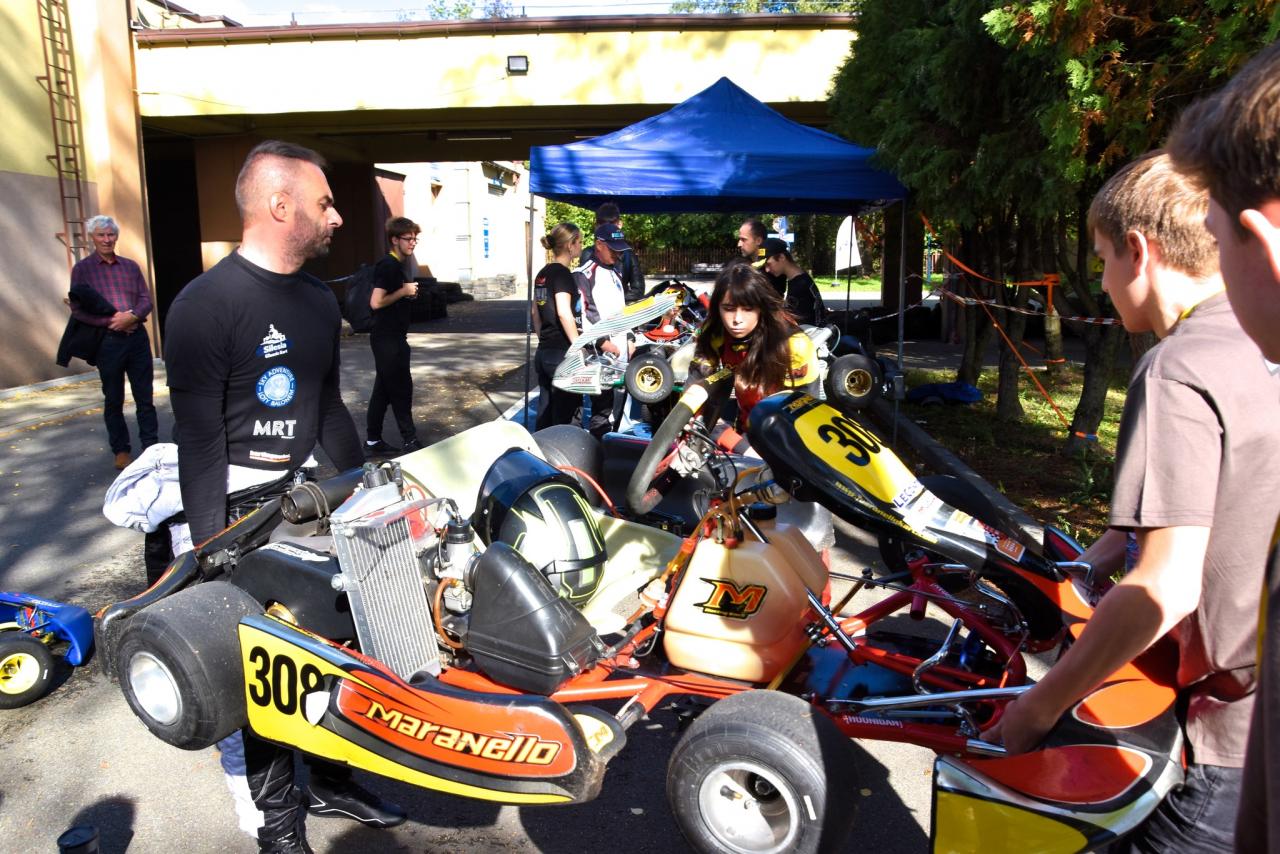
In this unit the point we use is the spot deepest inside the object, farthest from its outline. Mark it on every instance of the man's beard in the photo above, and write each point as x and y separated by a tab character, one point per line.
308	239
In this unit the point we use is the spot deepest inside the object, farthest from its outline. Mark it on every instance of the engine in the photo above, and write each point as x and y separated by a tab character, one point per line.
422	585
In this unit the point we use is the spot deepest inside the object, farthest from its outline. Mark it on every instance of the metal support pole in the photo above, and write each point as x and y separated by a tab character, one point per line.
528	321
902	311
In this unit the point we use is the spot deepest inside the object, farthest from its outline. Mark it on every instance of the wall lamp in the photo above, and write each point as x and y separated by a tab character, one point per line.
517	65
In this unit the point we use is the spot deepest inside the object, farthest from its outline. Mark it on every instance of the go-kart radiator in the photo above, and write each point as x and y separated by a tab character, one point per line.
383	584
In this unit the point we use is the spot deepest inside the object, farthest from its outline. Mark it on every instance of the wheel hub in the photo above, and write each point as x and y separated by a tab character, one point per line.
858	382
155	688
748	808
649	379
19	671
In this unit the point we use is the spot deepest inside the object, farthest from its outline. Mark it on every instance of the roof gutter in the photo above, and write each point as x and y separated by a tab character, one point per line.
492	26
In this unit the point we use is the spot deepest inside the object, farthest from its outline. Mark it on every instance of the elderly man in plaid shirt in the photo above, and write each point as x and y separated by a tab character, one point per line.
125	349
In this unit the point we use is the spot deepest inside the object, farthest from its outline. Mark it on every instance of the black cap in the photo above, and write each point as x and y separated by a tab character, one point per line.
775	246
610	233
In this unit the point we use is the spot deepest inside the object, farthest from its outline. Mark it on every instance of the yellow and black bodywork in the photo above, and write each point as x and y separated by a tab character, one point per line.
326	700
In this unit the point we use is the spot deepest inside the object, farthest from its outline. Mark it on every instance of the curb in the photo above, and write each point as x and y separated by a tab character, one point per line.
6	393
944	461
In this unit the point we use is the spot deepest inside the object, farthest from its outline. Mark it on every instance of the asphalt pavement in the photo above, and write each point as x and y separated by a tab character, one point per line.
80	756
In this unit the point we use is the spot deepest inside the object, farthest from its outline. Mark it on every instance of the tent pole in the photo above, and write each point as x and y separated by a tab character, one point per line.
528	320
848	278
902	310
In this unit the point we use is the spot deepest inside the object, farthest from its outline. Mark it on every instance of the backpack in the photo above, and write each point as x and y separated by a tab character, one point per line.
355	304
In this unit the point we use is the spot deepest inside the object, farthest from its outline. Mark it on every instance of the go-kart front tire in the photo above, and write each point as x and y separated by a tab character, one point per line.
650	379
179	664
763	772
853	382
26	670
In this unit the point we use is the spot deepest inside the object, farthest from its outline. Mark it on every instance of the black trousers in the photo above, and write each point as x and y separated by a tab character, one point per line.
127	355
555	406
392	385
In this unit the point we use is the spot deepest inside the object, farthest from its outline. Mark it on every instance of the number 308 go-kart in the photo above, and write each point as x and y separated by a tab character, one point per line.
471	621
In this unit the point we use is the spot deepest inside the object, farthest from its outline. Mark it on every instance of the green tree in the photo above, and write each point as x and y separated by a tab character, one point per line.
1004	118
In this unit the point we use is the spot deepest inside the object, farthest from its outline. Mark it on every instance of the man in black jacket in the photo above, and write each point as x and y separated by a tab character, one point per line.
251	348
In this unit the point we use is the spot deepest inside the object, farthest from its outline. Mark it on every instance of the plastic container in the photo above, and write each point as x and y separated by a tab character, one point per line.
740	613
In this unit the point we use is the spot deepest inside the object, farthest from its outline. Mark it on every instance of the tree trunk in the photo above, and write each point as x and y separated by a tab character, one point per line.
1101	346
1008	404
977	329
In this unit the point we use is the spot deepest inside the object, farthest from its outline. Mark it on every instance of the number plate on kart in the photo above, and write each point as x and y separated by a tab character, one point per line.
853	451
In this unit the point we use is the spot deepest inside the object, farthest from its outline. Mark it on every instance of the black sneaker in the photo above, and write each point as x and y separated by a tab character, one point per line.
350	800
293	842
412	445
380	449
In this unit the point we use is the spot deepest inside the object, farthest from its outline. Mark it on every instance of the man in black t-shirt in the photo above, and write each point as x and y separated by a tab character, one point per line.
251	352
800	291
392	384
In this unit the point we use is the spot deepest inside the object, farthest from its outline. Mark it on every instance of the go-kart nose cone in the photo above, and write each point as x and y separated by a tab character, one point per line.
155	688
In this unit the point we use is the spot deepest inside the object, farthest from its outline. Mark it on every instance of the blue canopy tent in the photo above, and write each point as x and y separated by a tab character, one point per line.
721	150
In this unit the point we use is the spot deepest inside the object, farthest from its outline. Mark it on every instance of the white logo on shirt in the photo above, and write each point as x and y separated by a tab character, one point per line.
274	343
281	429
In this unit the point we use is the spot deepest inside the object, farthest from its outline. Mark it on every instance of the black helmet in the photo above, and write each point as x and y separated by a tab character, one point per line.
541	512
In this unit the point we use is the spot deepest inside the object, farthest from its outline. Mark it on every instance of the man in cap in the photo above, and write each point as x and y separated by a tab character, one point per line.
602	297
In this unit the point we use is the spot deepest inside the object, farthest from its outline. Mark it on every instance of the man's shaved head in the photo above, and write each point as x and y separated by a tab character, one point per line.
271	167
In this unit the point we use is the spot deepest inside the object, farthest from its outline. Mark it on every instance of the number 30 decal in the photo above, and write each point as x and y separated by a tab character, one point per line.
858	443
279	681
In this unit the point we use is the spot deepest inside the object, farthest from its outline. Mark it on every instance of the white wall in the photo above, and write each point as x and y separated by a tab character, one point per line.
453	201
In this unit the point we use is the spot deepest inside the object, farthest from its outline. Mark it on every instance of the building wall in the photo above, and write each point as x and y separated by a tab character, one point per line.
454	68
456	203
33	267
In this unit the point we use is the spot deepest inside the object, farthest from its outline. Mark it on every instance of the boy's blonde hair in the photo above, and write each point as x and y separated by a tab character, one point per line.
1150	196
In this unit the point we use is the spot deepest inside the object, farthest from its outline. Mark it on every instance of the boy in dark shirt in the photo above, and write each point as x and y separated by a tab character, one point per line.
392	384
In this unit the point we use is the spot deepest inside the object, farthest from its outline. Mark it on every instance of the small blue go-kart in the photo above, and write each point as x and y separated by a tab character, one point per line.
29	629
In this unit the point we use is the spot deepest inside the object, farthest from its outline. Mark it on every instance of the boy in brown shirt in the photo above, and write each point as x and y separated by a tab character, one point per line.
1197	478
1231	142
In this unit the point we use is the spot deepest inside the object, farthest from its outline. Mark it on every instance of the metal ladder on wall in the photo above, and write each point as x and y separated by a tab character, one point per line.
59	80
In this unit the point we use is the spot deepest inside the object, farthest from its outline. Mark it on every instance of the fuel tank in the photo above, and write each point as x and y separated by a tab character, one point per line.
740	612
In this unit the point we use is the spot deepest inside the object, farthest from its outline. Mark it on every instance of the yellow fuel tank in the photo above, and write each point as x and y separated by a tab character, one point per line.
740	612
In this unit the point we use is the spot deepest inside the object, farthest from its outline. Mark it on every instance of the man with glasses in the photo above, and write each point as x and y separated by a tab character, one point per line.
389	340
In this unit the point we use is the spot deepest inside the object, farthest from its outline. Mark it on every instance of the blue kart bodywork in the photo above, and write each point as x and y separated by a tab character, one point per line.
35	616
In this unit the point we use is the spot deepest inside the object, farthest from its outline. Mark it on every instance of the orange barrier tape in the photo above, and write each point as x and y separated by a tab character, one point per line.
1049	281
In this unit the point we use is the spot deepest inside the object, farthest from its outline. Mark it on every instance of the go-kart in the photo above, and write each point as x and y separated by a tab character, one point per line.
30	629
457	621
664	328
659	326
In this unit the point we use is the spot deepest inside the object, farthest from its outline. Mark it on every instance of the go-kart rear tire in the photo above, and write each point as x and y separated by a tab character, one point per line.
650	379
26	669
853	382
763	771
179	665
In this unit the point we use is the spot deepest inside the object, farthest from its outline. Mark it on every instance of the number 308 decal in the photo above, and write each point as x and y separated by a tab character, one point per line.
279	681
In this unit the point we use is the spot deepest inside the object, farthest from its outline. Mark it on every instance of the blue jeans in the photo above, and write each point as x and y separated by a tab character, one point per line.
1199	816
119	356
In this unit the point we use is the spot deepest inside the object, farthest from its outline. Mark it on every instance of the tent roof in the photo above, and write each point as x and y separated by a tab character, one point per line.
720	150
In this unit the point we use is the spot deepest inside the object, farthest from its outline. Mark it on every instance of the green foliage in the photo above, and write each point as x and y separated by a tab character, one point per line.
1121	70
775	7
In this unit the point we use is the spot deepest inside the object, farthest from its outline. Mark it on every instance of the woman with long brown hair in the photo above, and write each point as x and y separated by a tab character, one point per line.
749	331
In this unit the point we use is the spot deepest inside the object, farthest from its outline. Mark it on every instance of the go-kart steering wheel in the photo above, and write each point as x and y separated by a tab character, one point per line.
653	476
